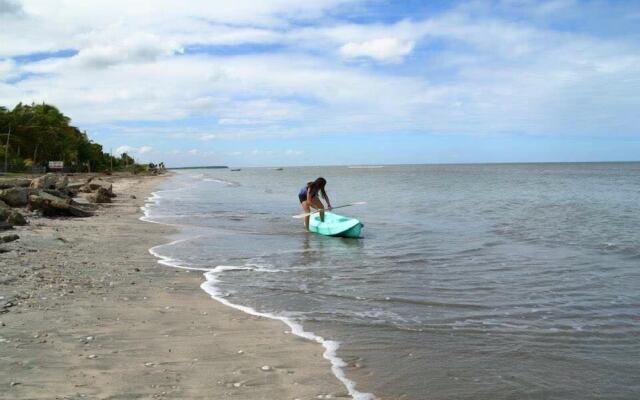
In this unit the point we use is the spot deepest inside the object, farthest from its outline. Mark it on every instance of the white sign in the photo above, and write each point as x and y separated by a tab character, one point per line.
56	165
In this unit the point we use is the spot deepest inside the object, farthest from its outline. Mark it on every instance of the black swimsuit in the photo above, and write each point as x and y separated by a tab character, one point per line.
302	194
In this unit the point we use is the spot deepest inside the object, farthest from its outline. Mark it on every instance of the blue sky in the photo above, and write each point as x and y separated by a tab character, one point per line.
284	82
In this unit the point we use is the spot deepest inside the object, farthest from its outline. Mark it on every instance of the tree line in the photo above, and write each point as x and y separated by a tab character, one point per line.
32	135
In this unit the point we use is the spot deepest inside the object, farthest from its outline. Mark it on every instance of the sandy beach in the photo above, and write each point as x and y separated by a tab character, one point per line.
87	312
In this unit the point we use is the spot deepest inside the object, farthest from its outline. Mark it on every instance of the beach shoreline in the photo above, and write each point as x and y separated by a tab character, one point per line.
94	315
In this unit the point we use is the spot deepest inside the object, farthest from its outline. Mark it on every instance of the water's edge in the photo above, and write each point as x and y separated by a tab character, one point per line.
209	286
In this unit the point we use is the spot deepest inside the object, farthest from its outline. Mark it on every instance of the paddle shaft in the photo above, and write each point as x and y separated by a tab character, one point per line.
333	208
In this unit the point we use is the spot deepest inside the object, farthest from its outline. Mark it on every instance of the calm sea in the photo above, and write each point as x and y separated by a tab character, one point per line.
513	281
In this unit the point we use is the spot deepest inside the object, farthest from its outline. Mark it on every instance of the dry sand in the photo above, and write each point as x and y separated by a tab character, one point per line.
86	312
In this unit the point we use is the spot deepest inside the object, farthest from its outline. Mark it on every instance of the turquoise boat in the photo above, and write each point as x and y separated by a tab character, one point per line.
335	225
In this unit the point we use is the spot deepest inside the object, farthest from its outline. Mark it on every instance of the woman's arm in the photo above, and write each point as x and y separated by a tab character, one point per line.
324	194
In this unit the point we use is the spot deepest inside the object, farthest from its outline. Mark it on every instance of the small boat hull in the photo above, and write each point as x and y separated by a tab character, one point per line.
335	225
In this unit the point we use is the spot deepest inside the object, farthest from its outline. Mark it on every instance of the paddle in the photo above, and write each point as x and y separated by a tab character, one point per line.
357	203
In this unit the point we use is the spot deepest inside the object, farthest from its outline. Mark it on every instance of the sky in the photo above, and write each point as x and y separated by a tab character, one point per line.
325	82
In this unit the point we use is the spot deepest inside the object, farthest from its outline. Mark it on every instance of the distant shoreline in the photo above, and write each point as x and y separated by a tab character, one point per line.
381	165
204	167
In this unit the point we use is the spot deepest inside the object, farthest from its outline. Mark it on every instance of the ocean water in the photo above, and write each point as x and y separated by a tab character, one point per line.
512	281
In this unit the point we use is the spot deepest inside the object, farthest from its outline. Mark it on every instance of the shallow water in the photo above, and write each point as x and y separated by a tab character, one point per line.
470	282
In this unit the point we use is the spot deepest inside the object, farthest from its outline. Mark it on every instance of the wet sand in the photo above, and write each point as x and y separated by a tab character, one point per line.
87	312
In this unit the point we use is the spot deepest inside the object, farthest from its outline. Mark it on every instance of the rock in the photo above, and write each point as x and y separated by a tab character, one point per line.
100	196
84	188
133	197
50	181
74	188
9	238
47	181
94	184
5	226
12	217
3	205
15	197
57	193
51	206
14	182
62	181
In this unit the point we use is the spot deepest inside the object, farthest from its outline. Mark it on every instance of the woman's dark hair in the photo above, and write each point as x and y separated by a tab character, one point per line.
317	186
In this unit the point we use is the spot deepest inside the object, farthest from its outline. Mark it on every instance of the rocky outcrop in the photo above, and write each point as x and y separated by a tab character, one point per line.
101	195
50	195
50	181
16	196
95	184
52	206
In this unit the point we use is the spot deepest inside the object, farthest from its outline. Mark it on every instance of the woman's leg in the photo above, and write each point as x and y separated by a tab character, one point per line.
307	209
317	204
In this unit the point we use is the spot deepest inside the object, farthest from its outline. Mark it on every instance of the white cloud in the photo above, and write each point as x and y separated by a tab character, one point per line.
383	49
138	49
125	149
10	8
488	74
8	70
133	150
49	25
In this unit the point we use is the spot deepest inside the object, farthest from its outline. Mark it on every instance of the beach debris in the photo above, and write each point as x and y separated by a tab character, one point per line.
266	368
14	384
92	356
149	364
132	197
240	352
50	205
